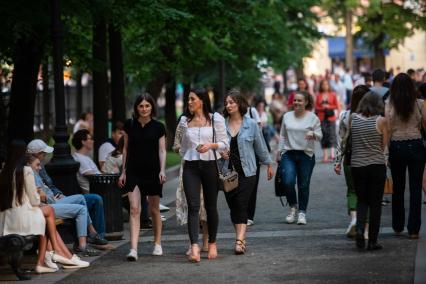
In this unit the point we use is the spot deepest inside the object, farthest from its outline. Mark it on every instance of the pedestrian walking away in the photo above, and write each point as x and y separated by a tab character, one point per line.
343	155
369	137
406	116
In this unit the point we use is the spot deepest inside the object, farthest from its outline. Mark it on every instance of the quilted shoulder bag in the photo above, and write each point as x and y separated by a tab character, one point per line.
227	181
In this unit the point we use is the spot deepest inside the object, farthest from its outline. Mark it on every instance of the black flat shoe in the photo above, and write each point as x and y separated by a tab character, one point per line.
374	246
360	241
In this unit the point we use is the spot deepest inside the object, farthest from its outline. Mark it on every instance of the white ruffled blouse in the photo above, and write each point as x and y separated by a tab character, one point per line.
194	136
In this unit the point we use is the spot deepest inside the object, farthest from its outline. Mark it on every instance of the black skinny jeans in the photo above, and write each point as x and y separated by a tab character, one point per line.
369	183
195	174
402	155
238	199
253	197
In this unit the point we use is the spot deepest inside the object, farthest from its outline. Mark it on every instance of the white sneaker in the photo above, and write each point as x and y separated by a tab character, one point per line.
77	262
157	250
133	255
163	219
291	216
164	208
301	219
41	269
48	260
351	230
250	222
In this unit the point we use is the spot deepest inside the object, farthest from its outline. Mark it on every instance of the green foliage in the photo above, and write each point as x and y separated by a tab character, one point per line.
388	24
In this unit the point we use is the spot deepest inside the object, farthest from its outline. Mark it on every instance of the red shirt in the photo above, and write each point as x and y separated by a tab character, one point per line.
321	105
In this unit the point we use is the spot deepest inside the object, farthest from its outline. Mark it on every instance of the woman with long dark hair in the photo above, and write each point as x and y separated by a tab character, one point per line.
357	94
197	150
405	115
144	166
20	211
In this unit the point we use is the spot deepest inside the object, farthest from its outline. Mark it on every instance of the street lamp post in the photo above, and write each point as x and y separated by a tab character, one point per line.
62	167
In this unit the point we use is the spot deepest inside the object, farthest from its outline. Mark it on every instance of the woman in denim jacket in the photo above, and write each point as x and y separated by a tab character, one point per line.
245	141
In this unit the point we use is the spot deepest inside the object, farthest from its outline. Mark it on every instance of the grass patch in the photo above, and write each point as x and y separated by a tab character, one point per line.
172	159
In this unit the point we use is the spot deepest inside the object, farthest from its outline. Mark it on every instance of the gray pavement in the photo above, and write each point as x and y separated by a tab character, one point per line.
277	252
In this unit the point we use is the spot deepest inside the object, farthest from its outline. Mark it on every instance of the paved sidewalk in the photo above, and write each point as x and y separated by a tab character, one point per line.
277	252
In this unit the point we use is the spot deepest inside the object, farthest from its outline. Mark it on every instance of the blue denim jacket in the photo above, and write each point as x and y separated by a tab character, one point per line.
250	144
48	181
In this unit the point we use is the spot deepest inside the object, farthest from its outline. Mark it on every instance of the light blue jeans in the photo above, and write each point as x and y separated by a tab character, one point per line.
74	207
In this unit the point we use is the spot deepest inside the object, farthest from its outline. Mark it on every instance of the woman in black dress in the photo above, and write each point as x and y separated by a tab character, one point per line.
143	172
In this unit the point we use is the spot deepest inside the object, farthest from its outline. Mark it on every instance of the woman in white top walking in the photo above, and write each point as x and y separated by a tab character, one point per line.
299	129
200	169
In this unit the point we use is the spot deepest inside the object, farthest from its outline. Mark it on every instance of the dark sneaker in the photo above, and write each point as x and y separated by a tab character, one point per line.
86	252
146	225
96	240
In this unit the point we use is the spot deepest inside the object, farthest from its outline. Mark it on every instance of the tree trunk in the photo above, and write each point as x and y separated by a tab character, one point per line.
46	101
379	54
79	94
155	86
219	96
186	90
118	104
3	128
285	81
27	60
100	85
171	121
349	40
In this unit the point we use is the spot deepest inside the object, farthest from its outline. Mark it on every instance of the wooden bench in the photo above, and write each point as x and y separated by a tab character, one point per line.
13	246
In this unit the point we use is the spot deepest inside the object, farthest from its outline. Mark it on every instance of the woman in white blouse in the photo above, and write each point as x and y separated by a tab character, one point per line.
299	130
199	168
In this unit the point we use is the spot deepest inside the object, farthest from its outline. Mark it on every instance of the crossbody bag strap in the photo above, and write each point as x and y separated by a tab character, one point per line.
214	141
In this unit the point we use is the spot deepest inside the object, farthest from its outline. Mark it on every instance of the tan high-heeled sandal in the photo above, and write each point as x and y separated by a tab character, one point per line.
212	251
240	247
194	256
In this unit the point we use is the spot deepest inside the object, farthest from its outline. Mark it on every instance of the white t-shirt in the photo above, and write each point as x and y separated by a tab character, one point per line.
104	150
254	114
86	166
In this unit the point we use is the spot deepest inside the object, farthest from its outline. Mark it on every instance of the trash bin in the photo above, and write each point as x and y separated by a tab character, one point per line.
106	185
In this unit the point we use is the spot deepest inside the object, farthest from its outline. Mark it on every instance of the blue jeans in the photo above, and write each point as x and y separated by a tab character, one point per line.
73	207
402	155
297	164
95	205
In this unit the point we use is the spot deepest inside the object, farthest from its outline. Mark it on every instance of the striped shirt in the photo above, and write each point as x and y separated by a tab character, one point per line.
366	142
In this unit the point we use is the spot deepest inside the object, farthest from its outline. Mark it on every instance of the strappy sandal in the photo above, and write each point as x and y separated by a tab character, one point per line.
194	256
240	247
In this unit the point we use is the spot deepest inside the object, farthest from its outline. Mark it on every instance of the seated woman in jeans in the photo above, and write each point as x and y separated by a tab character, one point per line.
245	142
299	130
